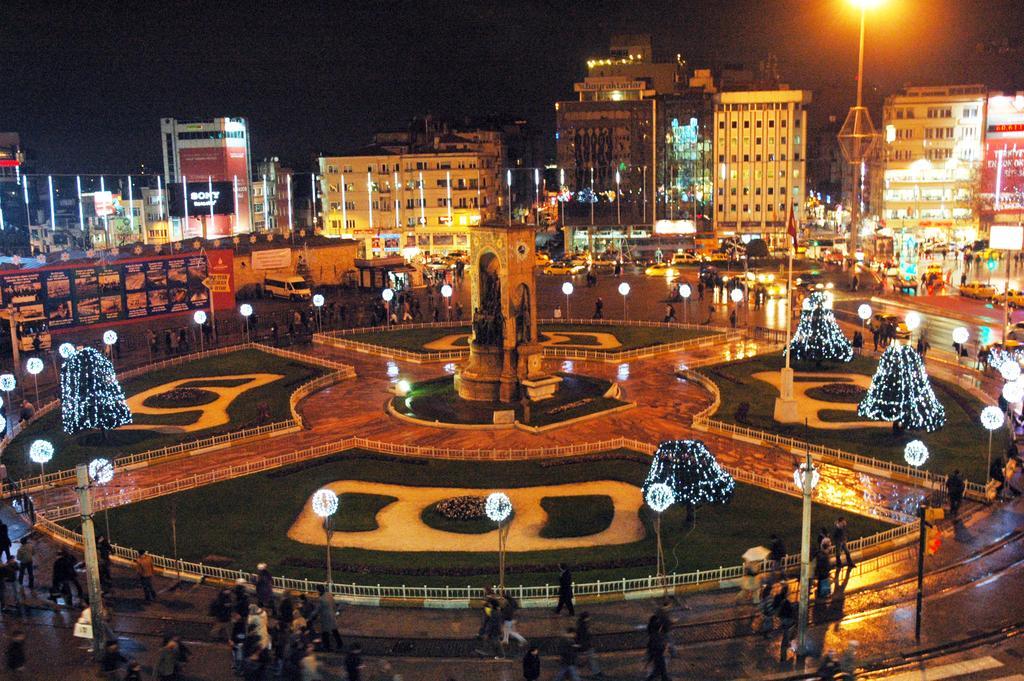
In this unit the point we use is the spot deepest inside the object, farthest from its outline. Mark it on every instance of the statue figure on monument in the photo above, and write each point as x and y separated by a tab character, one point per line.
524	333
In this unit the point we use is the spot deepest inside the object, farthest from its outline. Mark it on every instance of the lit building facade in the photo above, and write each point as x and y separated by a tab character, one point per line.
270	197
200	151
999	194
933	141
760	151
401	200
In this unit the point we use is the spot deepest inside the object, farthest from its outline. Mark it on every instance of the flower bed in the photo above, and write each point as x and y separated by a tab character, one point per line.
181	397
842	393
461	508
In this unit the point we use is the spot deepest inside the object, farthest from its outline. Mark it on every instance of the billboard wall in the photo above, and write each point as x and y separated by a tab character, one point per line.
72	296
201	197
223	164
1003	172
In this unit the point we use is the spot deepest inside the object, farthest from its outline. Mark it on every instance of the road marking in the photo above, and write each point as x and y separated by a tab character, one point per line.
948	671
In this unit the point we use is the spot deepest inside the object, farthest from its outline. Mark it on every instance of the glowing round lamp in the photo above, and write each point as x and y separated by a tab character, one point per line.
736	295
960	335
915	453
992	418
800	471
685	291
403	387
318	300
1013	391
66	350
245	309
624	289
1010	370
659	497
913	320
40	451
567	288
34	366
200	317
498	507
864	312
7	382
101	471
446	291
388	295
110	337
325	502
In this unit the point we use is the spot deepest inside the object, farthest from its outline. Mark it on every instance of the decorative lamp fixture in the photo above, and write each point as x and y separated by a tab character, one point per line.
915	453
498	507
101	471
659	497
798	476
325	502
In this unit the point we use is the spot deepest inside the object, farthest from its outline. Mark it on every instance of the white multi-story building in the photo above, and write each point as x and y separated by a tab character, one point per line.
933	150
760	152
398	200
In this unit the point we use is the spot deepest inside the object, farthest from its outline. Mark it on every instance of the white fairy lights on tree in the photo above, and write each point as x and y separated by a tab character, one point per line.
691	472
818	337
90	395
901	392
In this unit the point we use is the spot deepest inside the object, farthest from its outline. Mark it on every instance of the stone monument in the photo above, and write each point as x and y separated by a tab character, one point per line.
505	362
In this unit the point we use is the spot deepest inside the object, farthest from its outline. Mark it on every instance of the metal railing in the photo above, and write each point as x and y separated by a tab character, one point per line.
65	476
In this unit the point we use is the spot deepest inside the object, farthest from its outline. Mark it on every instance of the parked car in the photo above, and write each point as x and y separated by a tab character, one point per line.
565	267
661	269
879	319
1016	298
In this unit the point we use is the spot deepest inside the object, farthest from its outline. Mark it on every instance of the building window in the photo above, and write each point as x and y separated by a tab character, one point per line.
758	124
757	158
721	208
721	125
771	123
746	124
746	158
899	114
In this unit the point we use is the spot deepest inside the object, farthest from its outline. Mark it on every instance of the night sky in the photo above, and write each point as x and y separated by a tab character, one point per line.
85	83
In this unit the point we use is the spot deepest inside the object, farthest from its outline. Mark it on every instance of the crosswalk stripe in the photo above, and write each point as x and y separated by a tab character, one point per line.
948	671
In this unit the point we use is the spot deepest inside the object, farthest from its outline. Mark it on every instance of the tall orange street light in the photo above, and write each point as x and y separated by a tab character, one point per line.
857	136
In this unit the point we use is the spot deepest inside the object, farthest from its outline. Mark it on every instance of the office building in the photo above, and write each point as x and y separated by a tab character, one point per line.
201	152
933	148
760	150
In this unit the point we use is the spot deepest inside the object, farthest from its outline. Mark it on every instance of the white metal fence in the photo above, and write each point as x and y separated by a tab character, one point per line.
338	373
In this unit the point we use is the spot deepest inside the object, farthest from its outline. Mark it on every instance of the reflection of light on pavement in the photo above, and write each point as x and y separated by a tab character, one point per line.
682	367
568	366
623	372
392	370
449	368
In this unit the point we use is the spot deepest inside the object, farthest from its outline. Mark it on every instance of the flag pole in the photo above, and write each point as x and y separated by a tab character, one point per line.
785	404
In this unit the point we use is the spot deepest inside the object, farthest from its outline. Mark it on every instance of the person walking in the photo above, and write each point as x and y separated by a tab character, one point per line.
598	308
531	664
220	611
103	551
509	606
568	651
839	539
264	587
787	613
670	314
564	590
955	489
26	558
15	653
657	643
354	663
585	642
166	667
144	569
5	541
64	577
326	619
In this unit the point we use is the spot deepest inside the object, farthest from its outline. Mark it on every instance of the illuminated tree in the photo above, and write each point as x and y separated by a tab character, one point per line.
901	392
90	395
692	472
818	337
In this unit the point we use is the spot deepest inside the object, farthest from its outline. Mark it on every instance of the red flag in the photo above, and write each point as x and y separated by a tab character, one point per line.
791	225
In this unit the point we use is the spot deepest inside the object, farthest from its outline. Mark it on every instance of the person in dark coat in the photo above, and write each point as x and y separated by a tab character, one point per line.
327	619
599	308
777	551
5	541
531	664
64	577
839	540
264	587
955	489
656	645
354	663
586	643
568	651
564	590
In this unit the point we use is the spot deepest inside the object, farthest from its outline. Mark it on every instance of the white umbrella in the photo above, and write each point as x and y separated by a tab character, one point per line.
755	554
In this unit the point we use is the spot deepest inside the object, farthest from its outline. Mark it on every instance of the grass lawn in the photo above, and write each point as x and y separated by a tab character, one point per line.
961	443
360	511
630	337
436	400
247	520
244	412
577	516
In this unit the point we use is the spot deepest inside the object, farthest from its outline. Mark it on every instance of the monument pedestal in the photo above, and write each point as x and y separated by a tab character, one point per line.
785	404
541	388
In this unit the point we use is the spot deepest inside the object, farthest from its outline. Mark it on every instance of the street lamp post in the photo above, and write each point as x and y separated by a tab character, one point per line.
498	507
34	366
864	312
318	303
101	471
960	336
991	418
325	505
685	291
913	322
806	476
388	295
92	573
737	298
659	497
245	309
446	293
200	318
567	289
41	451
624	291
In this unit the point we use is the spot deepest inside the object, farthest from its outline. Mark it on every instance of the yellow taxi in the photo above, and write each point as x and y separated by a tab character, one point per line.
661	269
1016	298
976	289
